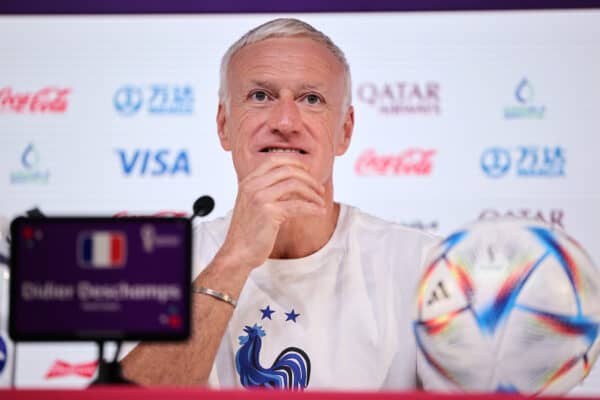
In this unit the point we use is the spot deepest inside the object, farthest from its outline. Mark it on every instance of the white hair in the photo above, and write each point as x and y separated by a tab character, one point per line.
278	28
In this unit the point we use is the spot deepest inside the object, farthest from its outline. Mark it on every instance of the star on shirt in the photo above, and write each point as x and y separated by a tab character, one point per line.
266	312
291	316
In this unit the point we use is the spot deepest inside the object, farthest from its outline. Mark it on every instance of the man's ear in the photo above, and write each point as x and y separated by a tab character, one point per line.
347	130
222	127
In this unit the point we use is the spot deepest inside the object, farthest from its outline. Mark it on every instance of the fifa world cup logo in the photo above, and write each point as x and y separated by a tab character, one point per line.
148	235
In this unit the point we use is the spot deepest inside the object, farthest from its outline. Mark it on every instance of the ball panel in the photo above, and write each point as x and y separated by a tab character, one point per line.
535	348
452	359
549	278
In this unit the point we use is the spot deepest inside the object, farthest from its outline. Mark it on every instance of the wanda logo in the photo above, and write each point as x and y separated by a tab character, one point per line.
46	100
413	161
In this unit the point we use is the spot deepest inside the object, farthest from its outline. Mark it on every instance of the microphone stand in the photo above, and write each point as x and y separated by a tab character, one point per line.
110	373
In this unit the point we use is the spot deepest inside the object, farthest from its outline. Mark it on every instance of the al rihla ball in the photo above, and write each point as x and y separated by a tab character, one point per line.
507	305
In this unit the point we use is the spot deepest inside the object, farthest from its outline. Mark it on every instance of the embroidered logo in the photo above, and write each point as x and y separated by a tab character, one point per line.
290	370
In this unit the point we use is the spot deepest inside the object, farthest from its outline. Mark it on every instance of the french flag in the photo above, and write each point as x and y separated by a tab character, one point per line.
102	249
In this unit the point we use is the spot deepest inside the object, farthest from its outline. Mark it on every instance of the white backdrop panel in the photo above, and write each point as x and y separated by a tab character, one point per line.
430	92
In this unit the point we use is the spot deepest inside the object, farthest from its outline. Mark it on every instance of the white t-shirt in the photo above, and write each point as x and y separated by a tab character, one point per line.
340	318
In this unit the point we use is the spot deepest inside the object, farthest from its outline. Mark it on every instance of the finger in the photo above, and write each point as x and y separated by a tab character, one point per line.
286	189
275	162
282	173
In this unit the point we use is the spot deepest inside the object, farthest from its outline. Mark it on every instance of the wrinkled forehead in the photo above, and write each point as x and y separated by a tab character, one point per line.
292	61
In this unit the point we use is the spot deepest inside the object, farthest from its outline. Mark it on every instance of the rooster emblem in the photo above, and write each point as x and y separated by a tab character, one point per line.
290	370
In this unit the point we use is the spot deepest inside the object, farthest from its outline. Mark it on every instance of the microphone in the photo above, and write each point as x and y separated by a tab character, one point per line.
203	206
5	233
35	213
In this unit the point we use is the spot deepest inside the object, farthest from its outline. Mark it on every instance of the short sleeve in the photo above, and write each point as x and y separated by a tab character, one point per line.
205	246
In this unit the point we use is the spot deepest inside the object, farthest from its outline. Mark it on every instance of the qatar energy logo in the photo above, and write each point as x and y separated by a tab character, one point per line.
524	161
47	100
525	107
154	99
402	98
411	161
31	171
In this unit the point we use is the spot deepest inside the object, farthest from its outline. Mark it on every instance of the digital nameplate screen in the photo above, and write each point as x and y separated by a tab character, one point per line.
100	278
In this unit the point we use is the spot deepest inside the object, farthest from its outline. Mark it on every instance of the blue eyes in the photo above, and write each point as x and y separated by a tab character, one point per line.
261	96
312	99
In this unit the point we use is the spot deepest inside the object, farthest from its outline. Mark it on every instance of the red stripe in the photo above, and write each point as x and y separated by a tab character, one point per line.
116	249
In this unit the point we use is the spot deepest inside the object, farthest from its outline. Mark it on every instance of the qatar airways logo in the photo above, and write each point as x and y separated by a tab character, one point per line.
402	98
412	161
553	217
47	100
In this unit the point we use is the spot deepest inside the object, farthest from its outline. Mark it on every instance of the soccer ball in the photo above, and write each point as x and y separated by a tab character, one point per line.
507	305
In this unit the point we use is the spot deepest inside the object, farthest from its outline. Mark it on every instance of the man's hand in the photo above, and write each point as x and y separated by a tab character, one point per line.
279	189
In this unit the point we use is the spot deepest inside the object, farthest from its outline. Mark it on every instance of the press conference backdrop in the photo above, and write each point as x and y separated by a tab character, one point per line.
459	116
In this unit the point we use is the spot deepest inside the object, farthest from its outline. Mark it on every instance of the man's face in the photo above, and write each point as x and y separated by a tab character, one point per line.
285	100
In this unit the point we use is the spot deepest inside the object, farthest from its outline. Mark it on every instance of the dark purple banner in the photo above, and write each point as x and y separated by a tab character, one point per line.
111	278
275	6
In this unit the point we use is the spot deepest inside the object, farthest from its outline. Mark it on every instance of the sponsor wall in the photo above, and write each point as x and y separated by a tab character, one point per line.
459	117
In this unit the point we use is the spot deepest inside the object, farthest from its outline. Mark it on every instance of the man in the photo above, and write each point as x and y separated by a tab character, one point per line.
324	292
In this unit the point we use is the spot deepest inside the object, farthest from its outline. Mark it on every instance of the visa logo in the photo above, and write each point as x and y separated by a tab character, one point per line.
102	249
159	162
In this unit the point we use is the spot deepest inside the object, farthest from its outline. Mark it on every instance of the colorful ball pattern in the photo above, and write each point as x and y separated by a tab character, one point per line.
508	305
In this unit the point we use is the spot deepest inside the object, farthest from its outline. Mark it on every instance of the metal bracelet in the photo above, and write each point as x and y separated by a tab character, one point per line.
217	295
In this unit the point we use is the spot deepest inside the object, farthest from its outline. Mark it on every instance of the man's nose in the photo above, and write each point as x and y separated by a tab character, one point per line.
285	116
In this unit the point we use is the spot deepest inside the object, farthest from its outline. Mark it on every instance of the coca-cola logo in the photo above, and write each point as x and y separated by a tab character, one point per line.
63	368
412	161
553	217
46	100
402	97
